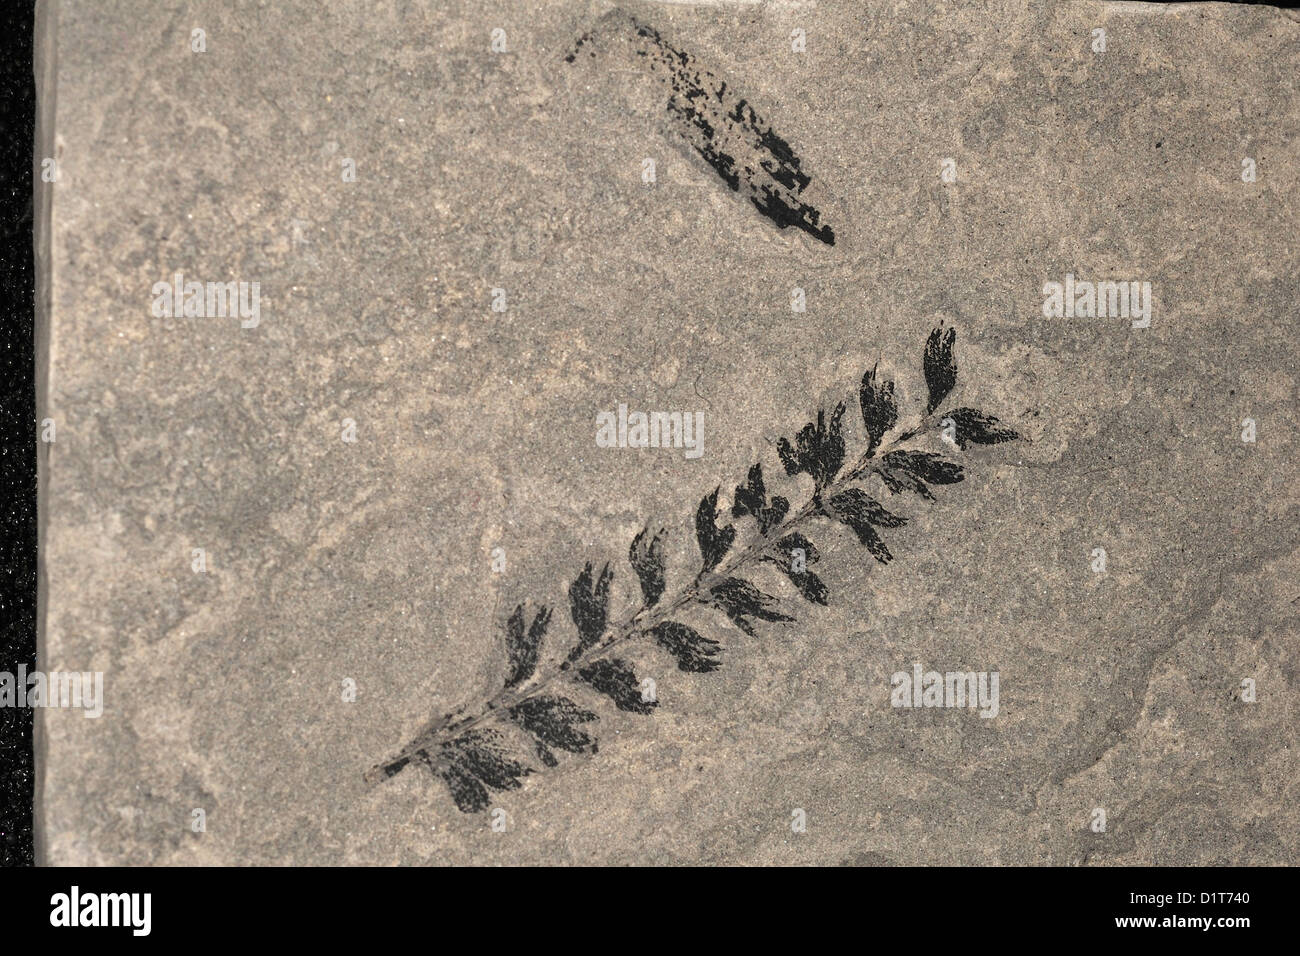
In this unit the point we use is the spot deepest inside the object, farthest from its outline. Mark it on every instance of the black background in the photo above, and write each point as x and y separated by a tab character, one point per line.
913	911
18	427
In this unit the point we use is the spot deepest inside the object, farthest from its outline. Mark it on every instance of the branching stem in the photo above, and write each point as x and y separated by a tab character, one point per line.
428	742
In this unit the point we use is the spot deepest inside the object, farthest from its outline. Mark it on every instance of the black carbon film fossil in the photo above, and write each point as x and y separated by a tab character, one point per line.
716	122
483	750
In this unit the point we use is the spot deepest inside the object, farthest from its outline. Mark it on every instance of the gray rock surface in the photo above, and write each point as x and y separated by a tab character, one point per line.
372	560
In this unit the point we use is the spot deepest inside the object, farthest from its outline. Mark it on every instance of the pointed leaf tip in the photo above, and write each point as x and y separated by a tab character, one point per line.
818	448
793	555
589	607
751	499
714	542
864	514
694	651
940	366
911	470
552	721
972	425
617	681
647	559
740	601
474	763
879	410
523	646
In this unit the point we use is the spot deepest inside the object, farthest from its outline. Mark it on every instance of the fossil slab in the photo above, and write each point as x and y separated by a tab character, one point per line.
406	367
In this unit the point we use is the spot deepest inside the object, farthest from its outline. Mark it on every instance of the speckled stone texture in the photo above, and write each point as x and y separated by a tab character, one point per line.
476	170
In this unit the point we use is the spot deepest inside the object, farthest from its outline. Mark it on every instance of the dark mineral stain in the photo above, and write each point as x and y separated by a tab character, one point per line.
718	124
